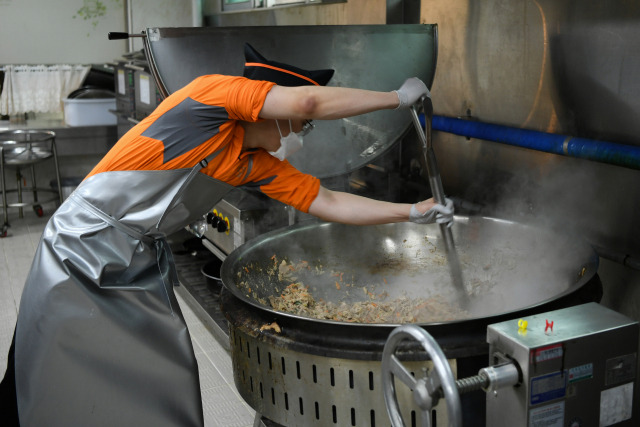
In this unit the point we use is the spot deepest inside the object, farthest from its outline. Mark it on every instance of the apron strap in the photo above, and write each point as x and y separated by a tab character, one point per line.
163	250
78	200
192	174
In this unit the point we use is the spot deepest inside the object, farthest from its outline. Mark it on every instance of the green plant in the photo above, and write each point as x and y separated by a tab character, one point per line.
94	10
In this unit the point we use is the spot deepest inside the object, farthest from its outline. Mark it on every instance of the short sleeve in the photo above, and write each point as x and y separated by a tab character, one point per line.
281	181
242	98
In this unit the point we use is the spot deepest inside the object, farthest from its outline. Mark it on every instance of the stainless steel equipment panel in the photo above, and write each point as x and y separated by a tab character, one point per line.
578	369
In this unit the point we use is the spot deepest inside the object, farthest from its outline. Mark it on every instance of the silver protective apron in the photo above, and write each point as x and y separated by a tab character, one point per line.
100	338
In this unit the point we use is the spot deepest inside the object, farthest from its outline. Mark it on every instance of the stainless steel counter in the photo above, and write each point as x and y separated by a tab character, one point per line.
70	140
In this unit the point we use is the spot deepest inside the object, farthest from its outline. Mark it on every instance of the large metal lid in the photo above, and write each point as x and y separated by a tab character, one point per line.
377	57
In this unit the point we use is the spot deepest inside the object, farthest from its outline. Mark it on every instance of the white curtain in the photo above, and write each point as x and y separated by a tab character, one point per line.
39	88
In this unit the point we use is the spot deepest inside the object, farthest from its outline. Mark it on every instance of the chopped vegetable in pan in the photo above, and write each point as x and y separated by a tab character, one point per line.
296	298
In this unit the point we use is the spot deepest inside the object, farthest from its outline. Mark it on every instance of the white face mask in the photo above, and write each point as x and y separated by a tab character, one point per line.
288	144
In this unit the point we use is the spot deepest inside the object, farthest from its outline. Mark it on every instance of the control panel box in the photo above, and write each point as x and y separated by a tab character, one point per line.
147	94
578	366
125	89
241	216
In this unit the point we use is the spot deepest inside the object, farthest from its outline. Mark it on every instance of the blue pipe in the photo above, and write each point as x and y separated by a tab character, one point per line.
600	151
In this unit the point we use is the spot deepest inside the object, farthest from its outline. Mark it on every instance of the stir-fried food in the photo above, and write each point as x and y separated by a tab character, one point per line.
357	303
296	299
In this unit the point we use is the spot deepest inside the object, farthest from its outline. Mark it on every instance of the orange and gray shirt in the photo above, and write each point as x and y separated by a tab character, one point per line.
201	120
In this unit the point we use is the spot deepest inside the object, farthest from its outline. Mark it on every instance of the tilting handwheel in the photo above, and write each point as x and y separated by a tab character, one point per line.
426	391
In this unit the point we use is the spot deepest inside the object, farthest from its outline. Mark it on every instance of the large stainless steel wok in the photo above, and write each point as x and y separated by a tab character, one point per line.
507	266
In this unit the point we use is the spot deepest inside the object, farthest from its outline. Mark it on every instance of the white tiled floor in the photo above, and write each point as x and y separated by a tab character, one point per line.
223	406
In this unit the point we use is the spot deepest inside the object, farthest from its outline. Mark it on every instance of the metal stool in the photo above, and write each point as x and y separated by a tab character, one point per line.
26	148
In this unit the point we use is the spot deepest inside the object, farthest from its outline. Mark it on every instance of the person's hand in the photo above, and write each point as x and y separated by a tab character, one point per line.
441	214
412	90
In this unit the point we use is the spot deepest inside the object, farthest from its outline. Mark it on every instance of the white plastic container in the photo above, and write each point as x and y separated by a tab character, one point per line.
90	112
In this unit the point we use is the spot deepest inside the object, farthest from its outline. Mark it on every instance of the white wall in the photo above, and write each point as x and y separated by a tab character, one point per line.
46	32
159	13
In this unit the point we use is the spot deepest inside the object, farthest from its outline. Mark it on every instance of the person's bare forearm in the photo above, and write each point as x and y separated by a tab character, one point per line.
335	102
348	208
326	103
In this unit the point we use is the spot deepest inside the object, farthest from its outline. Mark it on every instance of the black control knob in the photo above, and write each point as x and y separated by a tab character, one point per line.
210	217
222	225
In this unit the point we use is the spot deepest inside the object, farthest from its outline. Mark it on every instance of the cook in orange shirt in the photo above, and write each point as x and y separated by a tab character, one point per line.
251	123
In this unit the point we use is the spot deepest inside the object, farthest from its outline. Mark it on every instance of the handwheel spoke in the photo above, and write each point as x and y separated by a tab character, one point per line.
433	379
426	418
399	370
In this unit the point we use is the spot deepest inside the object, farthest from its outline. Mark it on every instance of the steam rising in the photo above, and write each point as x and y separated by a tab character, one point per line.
564	200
